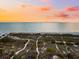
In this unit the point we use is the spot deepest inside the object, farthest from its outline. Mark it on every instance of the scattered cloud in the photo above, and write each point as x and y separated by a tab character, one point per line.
33	13
46	1
72	8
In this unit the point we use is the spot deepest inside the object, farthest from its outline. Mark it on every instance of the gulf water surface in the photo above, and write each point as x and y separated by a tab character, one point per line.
38	27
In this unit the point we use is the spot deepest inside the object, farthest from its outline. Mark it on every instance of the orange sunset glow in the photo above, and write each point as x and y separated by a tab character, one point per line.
29	12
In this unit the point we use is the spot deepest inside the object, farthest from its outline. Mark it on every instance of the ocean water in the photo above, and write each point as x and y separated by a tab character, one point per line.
38	27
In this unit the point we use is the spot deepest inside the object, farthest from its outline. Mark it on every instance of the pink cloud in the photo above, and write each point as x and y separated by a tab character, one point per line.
44	8
44	1
63	15
72	8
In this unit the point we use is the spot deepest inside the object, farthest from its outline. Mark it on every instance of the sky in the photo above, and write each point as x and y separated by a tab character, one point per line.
39	10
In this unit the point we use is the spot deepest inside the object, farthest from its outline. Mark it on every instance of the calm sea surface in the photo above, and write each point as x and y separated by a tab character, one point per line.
38	27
